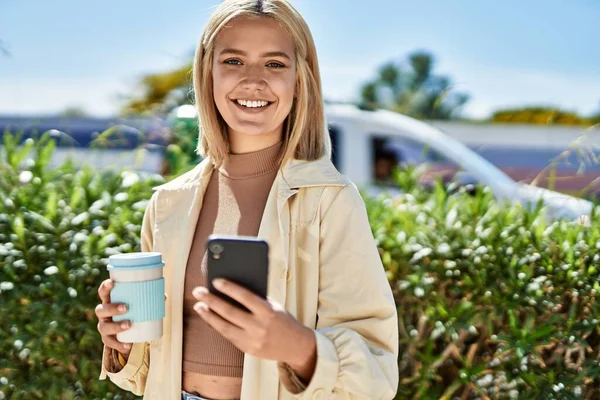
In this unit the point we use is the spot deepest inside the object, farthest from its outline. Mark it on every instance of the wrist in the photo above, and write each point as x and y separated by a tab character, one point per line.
304	360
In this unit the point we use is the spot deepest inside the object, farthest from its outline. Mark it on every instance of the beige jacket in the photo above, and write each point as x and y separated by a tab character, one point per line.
324	267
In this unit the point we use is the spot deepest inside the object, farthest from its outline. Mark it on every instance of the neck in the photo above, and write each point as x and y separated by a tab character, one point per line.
240	143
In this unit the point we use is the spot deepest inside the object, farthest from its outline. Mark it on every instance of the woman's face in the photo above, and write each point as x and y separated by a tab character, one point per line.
254	77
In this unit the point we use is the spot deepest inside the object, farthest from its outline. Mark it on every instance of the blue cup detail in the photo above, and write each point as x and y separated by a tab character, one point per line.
145	300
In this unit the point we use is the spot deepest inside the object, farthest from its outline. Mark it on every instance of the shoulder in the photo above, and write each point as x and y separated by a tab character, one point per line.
341	201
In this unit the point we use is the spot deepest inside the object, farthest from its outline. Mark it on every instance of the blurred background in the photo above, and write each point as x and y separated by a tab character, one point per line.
472	127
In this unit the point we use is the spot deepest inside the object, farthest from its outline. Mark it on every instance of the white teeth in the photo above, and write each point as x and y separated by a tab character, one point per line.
252	104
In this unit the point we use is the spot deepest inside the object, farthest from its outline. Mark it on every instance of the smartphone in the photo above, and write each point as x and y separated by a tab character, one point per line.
240	259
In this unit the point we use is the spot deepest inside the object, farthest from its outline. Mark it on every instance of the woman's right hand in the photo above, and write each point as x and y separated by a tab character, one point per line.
107	328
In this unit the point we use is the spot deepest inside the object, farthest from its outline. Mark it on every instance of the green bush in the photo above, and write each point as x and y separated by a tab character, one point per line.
57	229
493	301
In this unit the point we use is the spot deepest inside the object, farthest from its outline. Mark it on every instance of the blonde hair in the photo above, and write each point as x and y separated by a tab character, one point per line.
305	131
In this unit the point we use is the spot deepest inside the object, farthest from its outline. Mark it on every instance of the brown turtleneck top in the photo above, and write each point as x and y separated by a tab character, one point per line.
233	204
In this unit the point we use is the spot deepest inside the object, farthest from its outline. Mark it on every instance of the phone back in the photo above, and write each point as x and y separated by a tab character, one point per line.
240	259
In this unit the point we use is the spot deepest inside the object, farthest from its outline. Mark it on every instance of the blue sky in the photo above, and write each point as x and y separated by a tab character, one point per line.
502	52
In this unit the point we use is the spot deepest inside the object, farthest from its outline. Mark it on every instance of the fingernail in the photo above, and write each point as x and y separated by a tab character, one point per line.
125	325
109	284
218	283
200	307
122	308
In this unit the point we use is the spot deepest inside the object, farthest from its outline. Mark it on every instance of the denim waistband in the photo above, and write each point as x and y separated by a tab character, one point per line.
187	396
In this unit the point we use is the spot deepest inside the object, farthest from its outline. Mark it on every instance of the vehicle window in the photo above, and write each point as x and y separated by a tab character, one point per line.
334	134
392	151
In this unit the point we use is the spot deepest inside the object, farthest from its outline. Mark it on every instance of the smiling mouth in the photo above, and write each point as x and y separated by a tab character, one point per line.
253	103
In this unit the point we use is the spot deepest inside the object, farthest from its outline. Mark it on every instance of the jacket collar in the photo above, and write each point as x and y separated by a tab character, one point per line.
294	174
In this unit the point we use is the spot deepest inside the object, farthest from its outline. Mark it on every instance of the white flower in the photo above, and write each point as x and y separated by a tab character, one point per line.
451	217
110	238
419	292
140	205
420	254
522	275
533	287
97	205
80	237
428	280
414	332
72	292
473	330
401	237
4	381
7	286
513	394
80	218
121	197
487	293
25	177
51	270
18	344
449	272
449	264
24	354
443	248
53	324
129	179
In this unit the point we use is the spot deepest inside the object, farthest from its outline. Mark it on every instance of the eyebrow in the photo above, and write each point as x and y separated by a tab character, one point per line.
268	54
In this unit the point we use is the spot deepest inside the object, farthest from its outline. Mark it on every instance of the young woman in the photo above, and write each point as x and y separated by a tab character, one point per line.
329	327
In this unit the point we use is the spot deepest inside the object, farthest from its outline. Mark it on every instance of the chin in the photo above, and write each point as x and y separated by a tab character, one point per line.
252	130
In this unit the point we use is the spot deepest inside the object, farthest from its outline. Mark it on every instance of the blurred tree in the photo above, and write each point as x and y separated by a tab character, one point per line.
161	92
542	116
73	112
413	89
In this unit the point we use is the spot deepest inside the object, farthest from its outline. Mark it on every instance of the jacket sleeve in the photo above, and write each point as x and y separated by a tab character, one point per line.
357	325
132	377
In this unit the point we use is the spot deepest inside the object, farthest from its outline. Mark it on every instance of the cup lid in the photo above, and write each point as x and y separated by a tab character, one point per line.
139	259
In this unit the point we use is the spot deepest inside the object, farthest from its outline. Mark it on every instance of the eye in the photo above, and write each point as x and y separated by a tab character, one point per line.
232	61
274	64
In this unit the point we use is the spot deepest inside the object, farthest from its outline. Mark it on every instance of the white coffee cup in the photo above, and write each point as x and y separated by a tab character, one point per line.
139	283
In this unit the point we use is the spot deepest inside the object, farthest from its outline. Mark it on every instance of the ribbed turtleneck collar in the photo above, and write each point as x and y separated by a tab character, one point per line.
253	164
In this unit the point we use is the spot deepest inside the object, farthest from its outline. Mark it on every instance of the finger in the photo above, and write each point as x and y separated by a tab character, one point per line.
114	343
104	291
106	311
107	328
227	311
225	328
255	304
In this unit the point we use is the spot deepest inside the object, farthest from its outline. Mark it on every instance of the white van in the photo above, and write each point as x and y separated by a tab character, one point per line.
362	138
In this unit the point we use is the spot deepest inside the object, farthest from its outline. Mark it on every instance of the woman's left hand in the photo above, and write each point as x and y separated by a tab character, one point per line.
267	331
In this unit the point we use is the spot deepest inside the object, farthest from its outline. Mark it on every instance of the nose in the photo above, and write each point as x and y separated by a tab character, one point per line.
254	79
